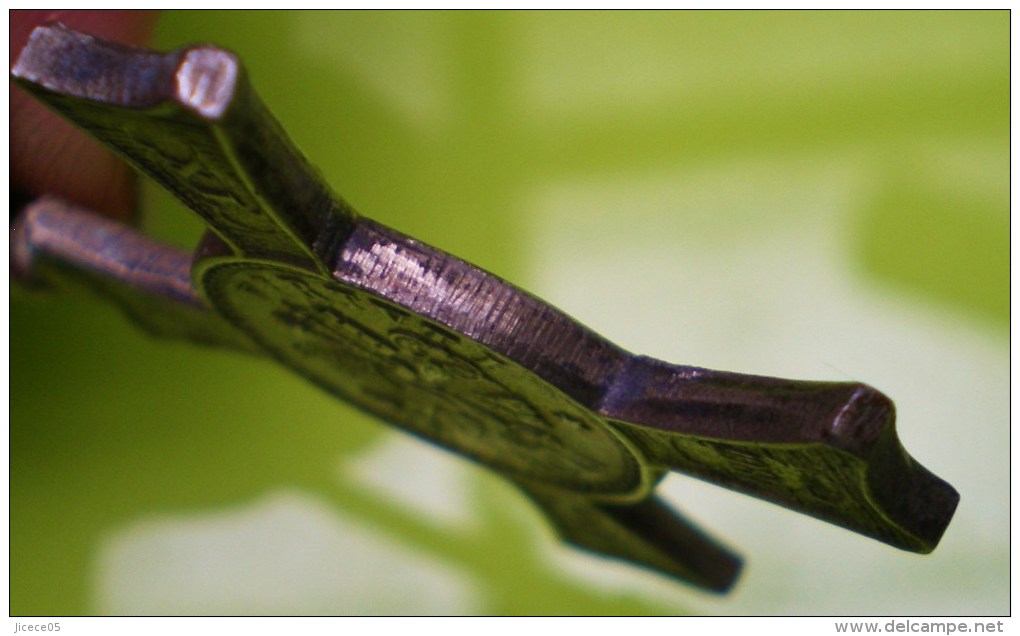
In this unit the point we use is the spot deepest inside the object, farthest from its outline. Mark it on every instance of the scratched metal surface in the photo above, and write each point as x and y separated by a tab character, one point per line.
493	226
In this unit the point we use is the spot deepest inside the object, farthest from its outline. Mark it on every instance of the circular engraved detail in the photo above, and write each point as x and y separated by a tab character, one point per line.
424	377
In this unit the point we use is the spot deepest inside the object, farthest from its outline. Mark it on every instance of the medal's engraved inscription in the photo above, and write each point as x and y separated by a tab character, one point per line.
822	481
424	377
189	165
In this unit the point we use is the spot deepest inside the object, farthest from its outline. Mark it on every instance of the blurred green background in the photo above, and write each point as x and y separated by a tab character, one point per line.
814	195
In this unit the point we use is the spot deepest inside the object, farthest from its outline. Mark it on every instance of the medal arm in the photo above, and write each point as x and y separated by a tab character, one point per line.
59	245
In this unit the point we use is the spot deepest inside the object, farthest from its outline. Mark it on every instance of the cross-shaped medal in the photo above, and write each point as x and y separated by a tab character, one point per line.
434	345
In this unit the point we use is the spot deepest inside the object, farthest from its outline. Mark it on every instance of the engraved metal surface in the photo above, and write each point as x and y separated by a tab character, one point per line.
429	379
445	350
191	121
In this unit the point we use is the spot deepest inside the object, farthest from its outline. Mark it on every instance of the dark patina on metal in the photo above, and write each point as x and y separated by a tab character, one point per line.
440	348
